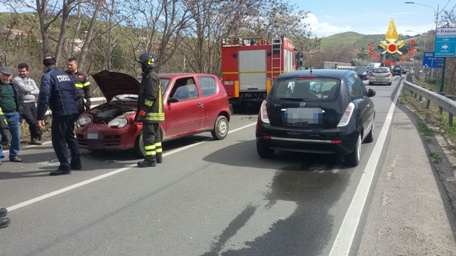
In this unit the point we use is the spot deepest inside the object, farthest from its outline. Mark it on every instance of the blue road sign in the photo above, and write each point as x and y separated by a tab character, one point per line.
445	42
429	61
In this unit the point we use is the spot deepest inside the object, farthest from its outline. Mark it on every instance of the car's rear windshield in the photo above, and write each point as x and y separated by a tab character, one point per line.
380	70
309	89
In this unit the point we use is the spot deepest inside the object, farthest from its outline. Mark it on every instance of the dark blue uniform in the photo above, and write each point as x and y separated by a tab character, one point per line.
57	90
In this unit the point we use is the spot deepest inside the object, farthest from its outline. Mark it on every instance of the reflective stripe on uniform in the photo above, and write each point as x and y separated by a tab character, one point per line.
150	150
158	146
154	117
148	103
82	85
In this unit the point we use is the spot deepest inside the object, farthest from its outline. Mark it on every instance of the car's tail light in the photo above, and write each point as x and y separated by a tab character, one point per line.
371	75
264	113
388	75
347	115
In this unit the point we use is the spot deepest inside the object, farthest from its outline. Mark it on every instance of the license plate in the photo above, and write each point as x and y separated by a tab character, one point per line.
92	136
304	115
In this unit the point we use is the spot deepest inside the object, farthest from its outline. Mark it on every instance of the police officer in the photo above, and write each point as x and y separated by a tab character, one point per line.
150	111
57	91
81	80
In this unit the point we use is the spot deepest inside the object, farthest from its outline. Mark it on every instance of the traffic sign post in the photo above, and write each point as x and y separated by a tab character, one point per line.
445	42
430	61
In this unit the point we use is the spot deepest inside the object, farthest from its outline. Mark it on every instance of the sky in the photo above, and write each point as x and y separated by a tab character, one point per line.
329	17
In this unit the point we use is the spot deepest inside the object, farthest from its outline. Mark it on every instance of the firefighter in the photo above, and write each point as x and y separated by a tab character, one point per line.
150	111
81	80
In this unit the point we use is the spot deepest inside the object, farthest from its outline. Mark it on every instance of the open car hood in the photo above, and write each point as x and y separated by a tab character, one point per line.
115	83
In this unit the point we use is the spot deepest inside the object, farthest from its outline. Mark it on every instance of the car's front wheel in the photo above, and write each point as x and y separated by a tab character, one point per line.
370	137
354	157
139	146
221	128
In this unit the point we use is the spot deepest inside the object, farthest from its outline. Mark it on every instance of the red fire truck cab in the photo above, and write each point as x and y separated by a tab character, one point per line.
249	66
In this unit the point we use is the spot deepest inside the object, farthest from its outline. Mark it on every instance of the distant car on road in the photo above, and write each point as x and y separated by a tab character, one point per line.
316	111
362	72
397	70
193	103
381	75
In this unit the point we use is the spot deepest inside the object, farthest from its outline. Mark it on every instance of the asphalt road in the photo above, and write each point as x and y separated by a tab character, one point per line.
207	198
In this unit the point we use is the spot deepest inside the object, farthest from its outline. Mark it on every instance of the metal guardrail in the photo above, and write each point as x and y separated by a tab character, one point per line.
443	101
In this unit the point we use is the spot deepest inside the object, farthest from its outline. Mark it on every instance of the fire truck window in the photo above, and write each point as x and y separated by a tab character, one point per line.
208	85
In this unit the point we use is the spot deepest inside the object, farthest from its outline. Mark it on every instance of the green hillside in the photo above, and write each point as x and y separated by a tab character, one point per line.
346	38
358	41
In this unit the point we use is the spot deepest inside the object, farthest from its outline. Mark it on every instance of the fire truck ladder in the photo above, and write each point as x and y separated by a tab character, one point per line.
276	60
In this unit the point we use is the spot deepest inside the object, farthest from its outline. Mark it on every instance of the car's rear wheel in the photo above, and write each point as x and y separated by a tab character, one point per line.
354	157
263	151
221	128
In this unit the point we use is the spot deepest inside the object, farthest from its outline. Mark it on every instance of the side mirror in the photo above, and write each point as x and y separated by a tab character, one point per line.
172	100
370	93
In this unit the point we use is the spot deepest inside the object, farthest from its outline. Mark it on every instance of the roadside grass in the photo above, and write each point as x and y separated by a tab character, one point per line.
432	120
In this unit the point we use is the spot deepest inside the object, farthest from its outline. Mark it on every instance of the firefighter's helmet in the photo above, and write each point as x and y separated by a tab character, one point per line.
147	60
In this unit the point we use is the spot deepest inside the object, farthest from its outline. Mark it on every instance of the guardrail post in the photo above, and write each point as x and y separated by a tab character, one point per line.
428	103
450	120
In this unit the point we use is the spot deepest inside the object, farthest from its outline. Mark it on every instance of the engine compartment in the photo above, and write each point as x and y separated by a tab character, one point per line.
105	114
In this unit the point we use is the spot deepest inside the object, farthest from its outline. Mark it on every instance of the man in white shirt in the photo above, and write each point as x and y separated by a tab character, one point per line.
29	89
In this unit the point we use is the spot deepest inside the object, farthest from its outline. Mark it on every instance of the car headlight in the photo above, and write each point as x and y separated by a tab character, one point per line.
118	122
84	120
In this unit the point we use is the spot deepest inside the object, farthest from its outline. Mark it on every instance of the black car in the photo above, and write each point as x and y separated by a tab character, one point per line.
316	111
397	70
362	72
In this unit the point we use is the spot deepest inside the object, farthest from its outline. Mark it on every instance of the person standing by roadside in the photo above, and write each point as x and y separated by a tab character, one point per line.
11	104
150	111
57	90
82	83
29	89
4	222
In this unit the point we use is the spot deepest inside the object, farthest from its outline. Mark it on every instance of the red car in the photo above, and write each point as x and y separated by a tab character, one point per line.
193	103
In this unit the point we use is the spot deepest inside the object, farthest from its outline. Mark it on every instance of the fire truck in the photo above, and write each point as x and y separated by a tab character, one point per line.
249	66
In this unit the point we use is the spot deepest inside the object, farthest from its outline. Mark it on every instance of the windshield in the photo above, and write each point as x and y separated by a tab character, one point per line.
164	82
360	69
381	70
309	89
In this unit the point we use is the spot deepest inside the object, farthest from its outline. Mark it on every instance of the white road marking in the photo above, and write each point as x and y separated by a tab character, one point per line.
103	176
347	231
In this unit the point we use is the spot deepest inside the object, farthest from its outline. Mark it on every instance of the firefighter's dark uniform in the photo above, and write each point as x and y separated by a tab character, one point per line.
81	80
150	104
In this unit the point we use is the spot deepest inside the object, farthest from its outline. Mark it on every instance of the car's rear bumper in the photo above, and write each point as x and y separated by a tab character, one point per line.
380	80
334	141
